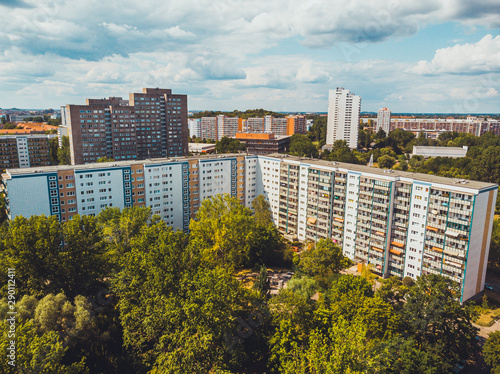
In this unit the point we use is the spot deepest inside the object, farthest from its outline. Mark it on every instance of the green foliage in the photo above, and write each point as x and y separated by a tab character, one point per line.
386	162
301	145
262	285
229	145
175	312
341	152
317	132
35	353
53	148
63	153
494	257
323	261
105	159
267	246
491	351
223	229
11	126
433	316
33	247
249	113
262	211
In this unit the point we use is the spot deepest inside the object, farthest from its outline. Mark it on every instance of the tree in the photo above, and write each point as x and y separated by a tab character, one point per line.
63	153
262	285
267	246
120	228
341	349
486	166
32	246
262	211
82	259
41	354
53	149
175	311
401	137
301	145
323	261
386	162
437	322
341	152
491	351
494	257
229	145
222	229
44	265
105	159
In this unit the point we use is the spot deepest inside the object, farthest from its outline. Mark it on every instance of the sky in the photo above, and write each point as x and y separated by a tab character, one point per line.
426	56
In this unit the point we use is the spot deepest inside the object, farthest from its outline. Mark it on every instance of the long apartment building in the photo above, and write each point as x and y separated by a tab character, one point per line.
218	127
434	127
151	124
24	151
403	224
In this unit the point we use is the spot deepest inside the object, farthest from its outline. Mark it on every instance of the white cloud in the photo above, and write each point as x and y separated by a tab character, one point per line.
237	53
476	58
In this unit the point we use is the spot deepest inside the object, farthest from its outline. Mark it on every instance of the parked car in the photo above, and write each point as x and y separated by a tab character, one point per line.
488	286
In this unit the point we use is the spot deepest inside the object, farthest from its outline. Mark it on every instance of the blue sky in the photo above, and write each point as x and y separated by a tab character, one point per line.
284	55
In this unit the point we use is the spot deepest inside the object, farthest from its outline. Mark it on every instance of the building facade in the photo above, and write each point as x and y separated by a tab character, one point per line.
264	143
24	151
383	120
433	127
150	124
343	117
194	126
403	224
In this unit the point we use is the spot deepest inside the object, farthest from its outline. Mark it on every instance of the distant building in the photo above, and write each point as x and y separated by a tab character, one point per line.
61	132
228	126
217	127
343	117
383	120
454	152
201	148
435	126
264	143
150	124
24	151
194	125
18	117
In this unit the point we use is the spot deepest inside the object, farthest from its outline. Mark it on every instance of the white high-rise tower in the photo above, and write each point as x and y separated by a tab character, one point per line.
343	117
383	120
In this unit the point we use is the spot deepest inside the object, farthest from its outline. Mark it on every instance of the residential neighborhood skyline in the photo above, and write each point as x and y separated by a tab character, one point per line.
435	57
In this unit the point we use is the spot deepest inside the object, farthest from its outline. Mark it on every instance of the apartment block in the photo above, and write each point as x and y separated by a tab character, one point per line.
383	120
435	126
150	124
403	224
24	151
343	117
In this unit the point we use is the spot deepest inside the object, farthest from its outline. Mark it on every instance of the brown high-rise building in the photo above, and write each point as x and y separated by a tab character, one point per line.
24	151
150	124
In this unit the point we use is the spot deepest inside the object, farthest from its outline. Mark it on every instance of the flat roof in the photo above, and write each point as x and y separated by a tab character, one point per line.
125	163
477	185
